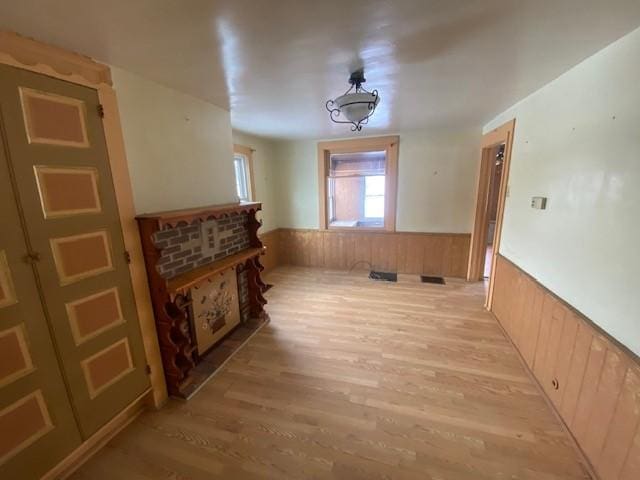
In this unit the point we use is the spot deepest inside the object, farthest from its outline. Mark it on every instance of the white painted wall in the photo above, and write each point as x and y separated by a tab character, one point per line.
577	142
179	148
265	172
437	174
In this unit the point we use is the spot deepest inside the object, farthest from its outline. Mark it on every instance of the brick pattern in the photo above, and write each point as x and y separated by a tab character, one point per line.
183	248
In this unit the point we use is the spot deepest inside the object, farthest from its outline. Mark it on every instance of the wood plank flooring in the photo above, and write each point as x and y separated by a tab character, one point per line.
356	379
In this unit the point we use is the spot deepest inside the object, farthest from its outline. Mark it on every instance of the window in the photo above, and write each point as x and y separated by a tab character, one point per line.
243	167
357	188
242	178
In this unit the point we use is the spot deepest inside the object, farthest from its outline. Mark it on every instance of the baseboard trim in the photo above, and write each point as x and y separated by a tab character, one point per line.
98	440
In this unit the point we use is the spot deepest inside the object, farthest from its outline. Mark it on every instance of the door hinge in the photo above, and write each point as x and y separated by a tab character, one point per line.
100	110
148	369
127	256
31	257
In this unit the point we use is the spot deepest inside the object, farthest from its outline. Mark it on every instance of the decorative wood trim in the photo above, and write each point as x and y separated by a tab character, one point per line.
99	439
591	380
28	54
247	152
171	218
367	144
507	132
498	136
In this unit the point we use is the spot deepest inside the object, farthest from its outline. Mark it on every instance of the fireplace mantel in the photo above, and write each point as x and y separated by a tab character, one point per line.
178	285
183	249
171	218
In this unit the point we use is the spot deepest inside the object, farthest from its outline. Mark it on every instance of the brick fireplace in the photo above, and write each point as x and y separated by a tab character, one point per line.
186	247
204	272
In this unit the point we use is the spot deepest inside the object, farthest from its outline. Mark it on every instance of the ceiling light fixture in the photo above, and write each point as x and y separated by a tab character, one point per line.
356	104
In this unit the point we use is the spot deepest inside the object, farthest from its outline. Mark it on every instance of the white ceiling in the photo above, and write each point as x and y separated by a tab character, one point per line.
274	63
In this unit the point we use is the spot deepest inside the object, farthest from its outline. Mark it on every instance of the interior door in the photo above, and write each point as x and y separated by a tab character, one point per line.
36	418
58	153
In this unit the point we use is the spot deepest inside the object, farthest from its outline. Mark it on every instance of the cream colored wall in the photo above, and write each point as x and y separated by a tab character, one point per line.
179	148
296	186
264	157
577	142
437	175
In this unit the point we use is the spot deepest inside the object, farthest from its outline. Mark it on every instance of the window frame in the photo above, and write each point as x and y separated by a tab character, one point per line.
370	144
247	153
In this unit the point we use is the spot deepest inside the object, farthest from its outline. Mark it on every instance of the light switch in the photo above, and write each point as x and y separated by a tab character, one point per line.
539	202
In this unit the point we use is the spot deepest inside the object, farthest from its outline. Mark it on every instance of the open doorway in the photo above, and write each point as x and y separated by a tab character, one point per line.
492	207
492	191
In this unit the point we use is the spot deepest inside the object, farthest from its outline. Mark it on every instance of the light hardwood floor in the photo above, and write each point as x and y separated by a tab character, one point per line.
356	379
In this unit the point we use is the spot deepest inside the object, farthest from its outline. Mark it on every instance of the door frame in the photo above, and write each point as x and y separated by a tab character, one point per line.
477	251
28	54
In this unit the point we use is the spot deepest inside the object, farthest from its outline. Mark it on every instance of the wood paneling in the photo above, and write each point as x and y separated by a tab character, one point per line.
443	254
271	258
593	382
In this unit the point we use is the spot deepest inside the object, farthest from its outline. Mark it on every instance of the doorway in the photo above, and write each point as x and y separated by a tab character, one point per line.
492	206
492	192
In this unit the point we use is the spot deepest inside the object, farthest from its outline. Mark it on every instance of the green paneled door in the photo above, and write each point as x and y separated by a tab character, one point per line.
37	426
57	152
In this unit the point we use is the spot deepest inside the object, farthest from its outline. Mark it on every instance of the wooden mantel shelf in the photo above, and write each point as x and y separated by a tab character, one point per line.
188	279
172	218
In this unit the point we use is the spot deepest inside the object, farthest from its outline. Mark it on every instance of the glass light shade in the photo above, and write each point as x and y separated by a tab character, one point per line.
356	106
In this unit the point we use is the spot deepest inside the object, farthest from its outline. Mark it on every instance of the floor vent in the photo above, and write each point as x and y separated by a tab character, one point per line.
386	276
428	279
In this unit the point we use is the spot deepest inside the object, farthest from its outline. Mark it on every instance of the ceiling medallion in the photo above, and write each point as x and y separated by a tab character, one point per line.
356	105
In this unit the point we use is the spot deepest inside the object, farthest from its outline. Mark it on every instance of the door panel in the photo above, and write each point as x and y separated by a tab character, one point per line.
36	416
67	196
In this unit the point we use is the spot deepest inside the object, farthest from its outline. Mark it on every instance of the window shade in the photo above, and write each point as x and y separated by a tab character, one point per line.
357	164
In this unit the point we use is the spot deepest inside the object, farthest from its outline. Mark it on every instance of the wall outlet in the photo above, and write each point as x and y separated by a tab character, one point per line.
539	203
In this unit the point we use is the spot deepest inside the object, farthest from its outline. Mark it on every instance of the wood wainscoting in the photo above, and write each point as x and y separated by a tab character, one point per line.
441	254
591	380
271	258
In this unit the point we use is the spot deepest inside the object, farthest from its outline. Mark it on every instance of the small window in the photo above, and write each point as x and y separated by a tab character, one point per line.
243	167
242	177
